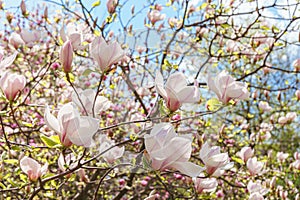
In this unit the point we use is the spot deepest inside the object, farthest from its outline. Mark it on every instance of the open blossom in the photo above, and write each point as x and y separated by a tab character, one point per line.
246	153
66	56
205	184
282	156
87	99
155	16
167	150
66	162
15	40
176	90
226	88
263	105
111	5
11	84
32	168
256	190
30	37
105	54
77	34
254	166
71	127
114	153
214	160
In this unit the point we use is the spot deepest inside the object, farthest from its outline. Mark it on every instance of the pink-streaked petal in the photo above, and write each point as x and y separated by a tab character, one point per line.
159	84
6	62
175	82
188	168
84	136
189	94
51	121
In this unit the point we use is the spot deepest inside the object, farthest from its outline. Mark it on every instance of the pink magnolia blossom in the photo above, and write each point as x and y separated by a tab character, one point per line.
66	56
67	161
77	34
105	54
71	127
214	160
167	150
254	166
282	120
87	99
256	190
111	6
282	156
15	40
30	37
226	88
32	168
205	184
296	64
176	92
11	84
291	116
112	154
256	196
246	153
155	16
263	105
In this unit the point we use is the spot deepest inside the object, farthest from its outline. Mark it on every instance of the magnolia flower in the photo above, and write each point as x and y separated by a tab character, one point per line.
256	196
11	84
263	105
87	99
71	127
254	166
226	88
155	16
105	54
245	153
176	90
296	64
291	116
15	40
214	160
6	62
67	161
111	5
112	154
205	184
29	37
168	150
282	120
282	156
66	56
77	34
256	190
32	168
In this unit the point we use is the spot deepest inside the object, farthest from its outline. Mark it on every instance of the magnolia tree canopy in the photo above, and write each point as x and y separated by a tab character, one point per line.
150	99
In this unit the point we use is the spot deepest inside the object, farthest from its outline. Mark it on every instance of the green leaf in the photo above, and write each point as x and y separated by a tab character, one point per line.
96	3
52	141
11	161
238	160
87	72
213	104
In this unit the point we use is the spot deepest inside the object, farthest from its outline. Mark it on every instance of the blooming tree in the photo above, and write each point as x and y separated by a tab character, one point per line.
153	99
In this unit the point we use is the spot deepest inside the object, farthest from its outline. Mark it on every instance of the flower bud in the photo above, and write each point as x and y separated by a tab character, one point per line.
66	56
